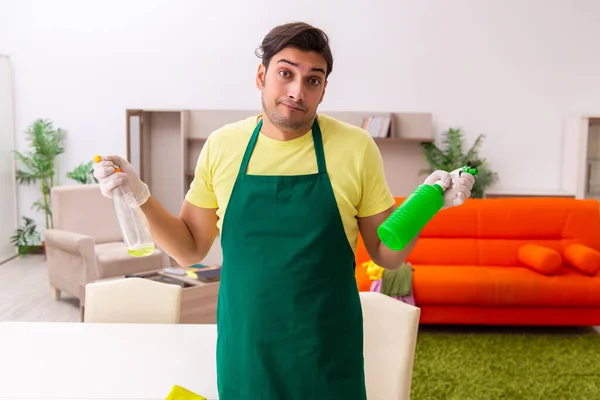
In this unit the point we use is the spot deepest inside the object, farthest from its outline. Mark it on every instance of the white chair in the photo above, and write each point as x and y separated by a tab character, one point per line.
390	330
132	300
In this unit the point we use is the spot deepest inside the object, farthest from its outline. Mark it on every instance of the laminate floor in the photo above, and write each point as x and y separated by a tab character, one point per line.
26	296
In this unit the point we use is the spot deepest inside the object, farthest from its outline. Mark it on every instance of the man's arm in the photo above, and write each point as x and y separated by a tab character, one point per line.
385	257
379	252
188	237
377	203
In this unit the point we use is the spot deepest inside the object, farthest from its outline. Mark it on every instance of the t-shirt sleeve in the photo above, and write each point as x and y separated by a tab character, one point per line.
201	193
376	196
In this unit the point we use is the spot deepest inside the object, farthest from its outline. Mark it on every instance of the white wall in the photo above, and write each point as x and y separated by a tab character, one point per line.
8	200
511	69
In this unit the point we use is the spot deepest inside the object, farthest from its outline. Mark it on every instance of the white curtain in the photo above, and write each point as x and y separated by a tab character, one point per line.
8	198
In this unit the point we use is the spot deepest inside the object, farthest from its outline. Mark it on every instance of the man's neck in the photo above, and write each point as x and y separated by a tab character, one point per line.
272	131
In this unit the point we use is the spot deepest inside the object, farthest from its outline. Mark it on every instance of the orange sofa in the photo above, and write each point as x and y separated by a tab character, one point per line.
515	261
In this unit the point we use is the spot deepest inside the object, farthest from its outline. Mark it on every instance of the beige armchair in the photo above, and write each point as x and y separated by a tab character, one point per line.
86	243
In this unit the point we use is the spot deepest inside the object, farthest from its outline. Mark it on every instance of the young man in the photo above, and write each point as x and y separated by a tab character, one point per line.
289	190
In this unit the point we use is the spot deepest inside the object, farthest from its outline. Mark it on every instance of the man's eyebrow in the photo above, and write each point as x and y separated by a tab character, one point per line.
283	60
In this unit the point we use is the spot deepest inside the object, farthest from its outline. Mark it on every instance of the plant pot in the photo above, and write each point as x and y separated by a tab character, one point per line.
28	250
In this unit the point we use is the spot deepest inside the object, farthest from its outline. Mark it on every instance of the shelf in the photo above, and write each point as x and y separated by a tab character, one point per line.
377	140
400	140
581	154
500	194
168	144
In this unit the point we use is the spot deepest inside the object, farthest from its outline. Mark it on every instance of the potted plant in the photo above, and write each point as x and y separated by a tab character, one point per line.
83	173
26	238
452	156
39	164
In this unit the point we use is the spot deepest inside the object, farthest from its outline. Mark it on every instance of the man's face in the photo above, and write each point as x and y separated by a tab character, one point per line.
292	88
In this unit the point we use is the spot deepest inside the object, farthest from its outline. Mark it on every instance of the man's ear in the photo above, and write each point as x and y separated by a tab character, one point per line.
260	77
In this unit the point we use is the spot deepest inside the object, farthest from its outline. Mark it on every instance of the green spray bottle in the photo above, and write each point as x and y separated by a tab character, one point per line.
413	214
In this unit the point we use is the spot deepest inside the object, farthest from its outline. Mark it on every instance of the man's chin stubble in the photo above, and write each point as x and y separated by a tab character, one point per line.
285	125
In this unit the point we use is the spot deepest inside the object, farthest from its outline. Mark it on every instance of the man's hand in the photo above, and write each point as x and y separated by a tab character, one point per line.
457	186
442	178
104	171
460	189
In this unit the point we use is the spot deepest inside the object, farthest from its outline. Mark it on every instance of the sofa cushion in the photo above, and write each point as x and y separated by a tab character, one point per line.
540	259
500	286
583	258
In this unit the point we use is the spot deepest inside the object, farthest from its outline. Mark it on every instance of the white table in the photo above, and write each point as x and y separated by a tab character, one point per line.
105	361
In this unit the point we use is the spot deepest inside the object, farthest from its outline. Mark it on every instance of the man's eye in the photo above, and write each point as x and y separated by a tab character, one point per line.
284	73
315	81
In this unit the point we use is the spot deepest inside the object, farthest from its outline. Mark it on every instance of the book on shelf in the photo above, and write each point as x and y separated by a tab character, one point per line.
377	126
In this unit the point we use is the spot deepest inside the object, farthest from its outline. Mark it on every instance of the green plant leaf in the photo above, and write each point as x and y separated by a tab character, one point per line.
26	235
39	164
451	156
83	173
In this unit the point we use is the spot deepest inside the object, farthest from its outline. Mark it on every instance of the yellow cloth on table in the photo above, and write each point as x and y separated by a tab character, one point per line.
179	393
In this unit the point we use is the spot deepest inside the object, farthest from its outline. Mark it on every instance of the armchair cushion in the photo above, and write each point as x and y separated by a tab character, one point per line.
83	209
114	260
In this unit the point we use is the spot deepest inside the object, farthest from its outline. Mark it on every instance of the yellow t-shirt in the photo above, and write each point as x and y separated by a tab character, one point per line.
353	162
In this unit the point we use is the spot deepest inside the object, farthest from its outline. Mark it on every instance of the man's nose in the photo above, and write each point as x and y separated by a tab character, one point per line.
296	90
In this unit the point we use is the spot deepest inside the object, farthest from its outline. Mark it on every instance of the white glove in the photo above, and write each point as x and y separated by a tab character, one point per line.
104	171
460	190
457	186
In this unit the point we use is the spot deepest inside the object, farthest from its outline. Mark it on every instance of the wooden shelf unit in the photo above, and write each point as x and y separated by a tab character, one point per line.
581	157
164	146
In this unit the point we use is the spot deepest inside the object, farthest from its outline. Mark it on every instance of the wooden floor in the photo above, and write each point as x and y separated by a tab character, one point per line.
26	296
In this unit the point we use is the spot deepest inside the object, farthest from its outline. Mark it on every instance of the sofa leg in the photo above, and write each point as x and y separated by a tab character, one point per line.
55	294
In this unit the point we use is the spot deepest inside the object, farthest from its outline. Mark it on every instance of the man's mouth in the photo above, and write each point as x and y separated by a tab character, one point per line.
291	107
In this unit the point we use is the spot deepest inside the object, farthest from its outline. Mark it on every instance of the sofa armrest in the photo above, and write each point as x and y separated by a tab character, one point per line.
69	247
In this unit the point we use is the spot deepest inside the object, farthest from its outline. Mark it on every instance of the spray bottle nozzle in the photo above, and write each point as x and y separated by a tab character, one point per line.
468	170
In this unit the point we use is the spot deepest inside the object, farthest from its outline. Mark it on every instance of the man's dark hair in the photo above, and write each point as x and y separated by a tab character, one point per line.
298	35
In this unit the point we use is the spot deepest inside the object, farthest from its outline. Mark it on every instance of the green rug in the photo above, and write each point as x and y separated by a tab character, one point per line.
504	365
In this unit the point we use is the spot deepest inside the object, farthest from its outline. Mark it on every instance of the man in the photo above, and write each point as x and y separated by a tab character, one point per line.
289	191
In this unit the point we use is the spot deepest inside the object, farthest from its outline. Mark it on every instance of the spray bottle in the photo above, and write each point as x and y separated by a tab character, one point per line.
133	222
413	214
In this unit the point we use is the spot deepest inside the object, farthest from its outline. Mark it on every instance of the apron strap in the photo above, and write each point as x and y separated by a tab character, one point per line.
250	149
317	139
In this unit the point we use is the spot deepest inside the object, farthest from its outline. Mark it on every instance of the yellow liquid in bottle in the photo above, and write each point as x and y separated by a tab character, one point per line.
142	251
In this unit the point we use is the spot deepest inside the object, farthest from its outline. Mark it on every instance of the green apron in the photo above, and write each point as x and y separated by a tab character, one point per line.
289	316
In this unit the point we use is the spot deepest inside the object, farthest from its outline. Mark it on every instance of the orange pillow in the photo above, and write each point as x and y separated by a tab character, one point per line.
583	258
541	259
